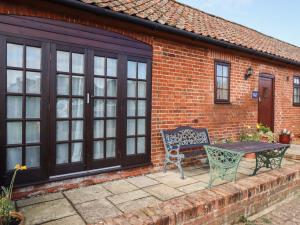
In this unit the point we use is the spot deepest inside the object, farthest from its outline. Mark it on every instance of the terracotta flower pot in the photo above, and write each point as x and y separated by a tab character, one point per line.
16	215
285	138
250	156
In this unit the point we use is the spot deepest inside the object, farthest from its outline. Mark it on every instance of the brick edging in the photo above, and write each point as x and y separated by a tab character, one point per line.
222	204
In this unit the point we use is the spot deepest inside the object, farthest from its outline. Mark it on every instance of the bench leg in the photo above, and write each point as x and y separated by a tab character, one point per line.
270	159
178	164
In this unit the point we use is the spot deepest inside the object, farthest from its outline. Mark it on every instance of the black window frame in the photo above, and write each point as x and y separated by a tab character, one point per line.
216	64
296	86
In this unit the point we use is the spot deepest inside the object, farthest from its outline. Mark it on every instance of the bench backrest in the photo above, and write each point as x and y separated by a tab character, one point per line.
185	137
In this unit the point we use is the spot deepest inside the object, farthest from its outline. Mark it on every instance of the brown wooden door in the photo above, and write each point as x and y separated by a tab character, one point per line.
266	101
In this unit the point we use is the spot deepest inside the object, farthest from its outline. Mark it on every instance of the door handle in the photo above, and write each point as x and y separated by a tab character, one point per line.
88	98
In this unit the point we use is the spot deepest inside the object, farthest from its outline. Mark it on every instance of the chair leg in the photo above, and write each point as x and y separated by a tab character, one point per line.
180	168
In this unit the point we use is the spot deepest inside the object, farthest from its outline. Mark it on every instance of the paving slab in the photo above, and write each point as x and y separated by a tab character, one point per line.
162	174
142	181
175	180
138	204
39	199
128	196
163	192
96	210
47	211
194	172
86	194
70	220
193	187
119	186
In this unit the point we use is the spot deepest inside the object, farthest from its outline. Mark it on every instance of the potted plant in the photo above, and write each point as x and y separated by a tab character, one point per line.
285	136
8	214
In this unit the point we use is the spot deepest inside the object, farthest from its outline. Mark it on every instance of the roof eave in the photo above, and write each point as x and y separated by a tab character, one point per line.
157	26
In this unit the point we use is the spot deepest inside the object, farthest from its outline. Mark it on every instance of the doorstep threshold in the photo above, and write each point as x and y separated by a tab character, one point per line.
83	173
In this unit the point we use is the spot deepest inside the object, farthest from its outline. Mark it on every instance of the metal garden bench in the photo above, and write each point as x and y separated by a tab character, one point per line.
183	138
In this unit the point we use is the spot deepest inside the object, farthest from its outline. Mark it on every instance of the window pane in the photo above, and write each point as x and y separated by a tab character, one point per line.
130	146
110	128
131	88
141	145
141	89
111	87
296	80
99	86
141	108
99	64
14	107
111	69
131	69
77	130
33	156
62	130
111	107
77	63
225	71
142	71
98	149
62	153
63	60
13	157
32	132
98	128
77	108
141	126
33	83
76	152
130	127
62	108
131	107
219	82
62	85
77	85
14	133
225	83
14	55
33	107
14	81
224	94
99	108
33	57
219	70
110	148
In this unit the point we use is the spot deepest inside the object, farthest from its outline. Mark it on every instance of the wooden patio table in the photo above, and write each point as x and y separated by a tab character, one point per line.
224	158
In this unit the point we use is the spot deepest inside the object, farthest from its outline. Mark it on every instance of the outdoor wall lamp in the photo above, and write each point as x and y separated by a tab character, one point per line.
249	73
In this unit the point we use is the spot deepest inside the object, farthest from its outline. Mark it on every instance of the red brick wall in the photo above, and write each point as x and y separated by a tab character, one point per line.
183	80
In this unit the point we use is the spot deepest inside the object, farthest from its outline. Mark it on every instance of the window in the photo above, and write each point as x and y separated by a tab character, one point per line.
296	94
222	82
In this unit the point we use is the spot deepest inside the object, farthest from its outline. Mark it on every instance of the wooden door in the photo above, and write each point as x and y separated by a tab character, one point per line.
266	101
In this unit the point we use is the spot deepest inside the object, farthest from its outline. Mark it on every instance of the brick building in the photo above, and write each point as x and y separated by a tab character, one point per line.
86	86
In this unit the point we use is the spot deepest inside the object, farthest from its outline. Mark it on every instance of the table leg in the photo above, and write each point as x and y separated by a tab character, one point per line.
223	163
270	159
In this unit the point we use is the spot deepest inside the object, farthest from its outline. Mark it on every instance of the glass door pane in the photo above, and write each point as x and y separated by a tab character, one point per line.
70	107
23	106
105	108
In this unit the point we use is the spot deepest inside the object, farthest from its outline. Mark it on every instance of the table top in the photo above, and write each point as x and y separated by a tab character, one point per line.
251	146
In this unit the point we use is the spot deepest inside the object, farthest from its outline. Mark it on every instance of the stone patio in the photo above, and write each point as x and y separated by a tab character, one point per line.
91	204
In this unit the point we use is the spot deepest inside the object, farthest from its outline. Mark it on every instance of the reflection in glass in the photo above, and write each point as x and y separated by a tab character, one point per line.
77	63
13	157
130	146
14	132
142	71
111	69
141	126
76	152
33	107
131	69
33	156
77	130
141	89
110	128
111	108
62	61
130	127
77	85
33	82
99	65
32	132
14	81
141	108
98	150
131	88
14	107
62	85
98	128
14	55
99	86
62	130
77	108
131	107
110	148
62	108
99	108
141	145
62	153
111	87
33	57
